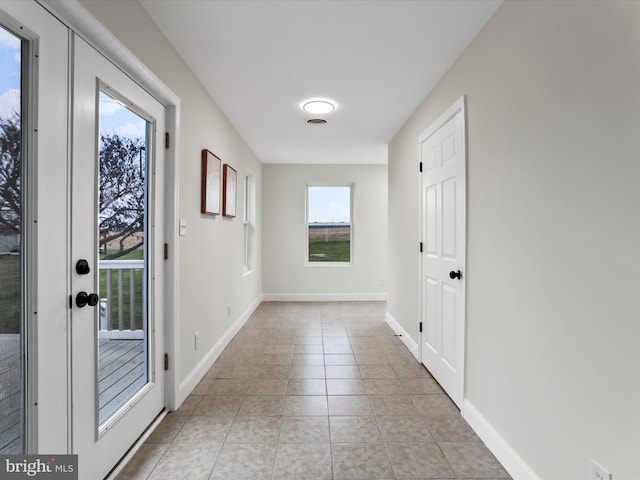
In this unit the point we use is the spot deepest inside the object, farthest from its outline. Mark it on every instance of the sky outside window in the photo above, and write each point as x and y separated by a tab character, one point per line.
115	119
10	71
329	205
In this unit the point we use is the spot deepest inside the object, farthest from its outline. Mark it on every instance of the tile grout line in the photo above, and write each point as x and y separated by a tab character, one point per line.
284	322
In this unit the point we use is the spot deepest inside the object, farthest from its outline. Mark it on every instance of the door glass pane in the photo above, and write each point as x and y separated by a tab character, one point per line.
329	224
11	241
122	226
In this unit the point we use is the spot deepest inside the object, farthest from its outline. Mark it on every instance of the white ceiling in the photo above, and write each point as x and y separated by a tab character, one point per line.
260	59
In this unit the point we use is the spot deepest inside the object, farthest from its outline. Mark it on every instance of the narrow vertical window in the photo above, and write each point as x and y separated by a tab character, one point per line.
248	222
123	181
329	224
12	240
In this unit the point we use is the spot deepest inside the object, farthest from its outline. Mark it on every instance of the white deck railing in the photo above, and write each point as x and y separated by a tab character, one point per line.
135	270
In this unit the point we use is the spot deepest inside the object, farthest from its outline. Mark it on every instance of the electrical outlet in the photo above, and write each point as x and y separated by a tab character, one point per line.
196	340
381	282
598	472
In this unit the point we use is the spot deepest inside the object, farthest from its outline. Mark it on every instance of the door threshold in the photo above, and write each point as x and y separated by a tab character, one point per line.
136	446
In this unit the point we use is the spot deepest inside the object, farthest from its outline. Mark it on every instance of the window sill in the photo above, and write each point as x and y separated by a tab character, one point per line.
328	264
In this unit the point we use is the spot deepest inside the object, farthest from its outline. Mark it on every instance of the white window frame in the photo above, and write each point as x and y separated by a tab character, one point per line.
248	221
351	261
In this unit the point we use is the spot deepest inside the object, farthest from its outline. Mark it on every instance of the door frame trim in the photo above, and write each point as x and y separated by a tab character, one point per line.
459	106
75	16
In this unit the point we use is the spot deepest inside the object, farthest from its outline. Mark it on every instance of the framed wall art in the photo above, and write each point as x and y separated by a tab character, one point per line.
210	188
229	189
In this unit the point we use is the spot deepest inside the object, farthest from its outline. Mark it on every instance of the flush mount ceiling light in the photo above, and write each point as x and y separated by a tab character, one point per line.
318	106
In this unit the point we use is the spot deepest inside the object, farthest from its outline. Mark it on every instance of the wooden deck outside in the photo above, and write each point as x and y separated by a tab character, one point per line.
10	393
121	373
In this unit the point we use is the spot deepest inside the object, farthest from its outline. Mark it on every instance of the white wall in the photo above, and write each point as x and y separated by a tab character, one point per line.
211	254
553	111
285	274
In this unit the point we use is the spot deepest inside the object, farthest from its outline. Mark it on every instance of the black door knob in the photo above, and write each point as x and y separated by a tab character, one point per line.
82	267
83	299
453	274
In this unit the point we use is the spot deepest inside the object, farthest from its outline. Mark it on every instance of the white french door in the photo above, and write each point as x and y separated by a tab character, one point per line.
443	218
117	278
38	254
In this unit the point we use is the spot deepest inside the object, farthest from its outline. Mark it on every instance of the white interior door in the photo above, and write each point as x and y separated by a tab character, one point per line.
442	153
117	278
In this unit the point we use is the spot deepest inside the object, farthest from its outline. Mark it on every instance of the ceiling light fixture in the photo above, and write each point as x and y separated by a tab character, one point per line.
318	106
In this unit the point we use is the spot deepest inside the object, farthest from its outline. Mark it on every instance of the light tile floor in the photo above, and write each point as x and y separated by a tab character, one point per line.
314	391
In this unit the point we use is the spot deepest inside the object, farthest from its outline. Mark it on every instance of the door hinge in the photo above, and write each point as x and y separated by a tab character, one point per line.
420	167
420	327
166	139
166	362
166	251
420	247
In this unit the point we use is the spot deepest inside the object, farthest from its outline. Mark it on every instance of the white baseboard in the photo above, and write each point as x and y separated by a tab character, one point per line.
324	297
404	336
190	382
506	455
